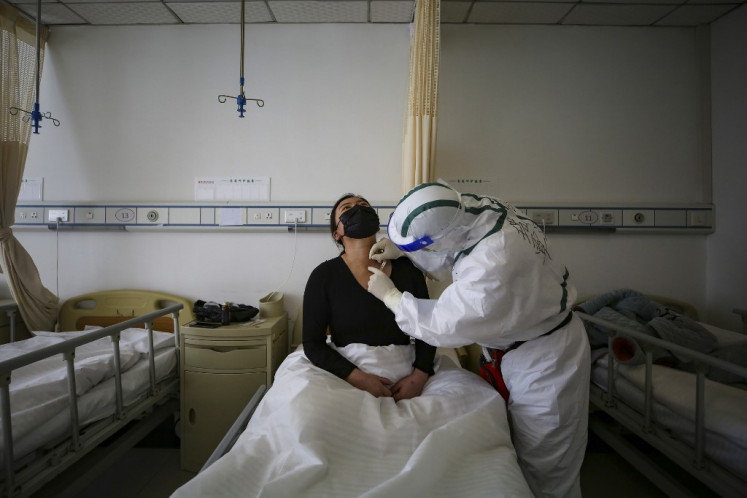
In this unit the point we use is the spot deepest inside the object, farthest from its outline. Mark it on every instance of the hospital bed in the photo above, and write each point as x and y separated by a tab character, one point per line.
312	434
656	416
110	375
8	313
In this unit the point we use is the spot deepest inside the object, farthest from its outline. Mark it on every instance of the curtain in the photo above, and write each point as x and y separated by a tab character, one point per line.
37	305
421	121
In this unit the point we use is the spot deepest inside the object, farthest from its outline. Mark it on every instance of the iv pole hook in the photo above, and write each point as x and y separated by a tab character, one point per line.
241	99
36	115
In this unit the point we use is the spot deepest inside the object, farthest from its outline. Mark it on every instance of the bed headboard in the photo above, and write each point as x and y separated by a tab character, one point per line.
113	306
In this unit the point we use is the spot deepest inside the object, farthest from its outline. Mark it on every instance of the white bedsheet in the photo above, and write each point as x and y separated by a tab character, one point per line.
674	390
39	400
313	434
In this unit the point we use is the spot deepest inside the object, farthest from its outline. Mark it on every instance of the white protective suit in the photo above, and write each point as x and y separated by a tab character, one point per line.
506	288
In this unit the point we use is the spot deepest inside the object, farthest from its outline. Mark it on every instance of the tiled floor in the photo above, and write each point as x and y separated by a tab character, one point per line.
155	473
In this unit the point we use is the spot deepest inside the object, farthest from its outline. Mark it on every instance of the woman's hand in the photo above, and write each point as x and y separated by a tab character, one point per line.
410	386
373	384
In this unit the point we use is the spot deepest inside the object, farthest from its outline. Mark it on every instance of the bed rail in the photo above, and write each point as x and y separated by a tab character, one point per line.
67	350
10	308
702	363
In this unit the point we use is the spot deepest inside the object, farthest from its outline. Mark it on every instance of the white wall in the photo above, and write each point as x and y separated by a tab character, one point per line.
727	248
572	114
140	116
548	113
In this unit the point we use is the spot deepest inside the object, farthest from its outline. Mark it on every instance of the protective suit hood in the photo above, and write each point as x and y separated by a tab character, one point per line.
432	225
427	225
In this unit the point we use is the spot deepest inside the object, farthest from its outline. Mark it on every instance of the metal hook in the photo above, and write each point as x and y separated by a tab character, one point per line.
241	99
34	117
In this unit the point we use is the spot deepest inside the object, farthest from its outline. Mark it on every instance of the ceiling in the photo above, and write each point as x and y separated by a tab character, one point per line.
563	12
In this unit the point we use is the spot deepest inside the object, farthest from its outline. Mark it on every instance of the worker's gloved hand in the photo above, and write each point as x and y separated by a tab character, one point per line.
384	249
382	287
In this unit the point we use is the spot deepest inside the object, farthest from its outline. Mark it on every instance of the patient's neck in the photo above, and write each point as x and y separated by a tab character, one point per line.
356	252
356	257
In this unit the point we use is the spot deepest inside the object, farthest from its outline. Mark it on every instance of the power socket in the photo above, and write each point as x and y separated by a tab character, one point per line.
262	216
295	216
57	214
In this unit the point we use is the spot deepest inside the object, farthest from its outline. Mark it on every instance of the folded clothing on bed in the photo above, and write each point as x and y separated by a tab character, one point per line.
633	310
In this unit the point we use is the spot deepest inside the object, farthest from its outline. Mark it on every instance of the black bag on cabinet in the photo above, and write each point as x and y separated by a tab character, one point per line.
210	311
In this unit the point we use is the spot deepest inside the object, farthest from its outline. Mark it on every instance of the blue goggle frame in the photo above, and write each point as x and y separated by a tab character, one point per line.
416	244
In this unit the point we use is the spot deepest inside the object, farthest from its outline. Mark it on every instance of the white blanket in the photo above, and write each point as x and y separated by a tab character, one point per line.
314	434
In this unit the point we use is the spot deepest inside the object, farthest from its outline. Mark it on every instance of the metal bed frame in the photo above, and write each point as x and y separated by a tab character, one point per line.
25	477
10	308
690	457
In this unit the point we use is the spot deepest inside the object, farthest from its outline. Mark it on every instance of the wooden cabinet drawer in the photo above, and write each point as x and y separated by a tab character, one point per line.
225	356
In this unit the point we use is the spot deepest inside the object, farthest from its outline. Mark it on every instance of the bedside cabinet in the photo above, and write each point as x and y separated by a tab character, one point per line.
221	369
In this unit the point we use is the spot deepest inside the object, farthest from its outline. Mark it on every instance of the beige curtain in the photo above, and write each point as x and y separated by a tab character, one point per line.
421	121
37	305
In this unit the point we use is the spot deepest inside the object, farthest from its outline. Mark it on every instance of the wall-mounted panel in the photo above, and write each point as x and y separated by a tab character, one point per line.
670	218
153	216
638	218
121	215
184	216
696	219
85	215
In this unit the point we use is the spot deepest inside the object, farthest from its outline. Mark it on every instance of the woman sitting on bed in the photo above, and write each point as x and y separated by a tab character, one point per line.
336	298
317	433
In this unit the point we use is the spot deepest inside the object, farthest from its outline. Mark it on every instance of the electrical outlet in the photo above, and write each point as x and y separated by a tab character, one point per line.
262	216
543	216
89	215
321	215
697	219
54	215
29	215
295	216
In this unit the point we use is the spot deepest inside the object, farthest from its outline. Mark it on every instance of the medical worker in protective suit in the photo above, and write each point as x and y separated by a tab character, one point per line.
509	295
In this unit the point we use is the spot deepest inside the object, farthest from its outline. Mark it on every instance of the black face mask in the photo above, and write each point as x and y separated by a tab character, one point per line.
360	222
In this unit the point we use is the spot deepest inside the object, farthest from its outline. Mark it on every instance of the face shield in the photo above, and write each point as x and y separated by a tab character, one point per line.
436	264
426	225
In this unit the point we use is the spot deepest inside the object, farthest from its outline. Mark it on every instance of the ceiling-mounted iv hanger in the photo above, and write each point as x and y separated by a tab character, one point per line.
241	98
36	115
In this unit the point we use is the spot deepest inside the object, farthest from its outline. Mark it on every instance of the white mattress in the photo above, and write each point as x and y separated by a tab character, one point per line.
40	411
674	391
313	434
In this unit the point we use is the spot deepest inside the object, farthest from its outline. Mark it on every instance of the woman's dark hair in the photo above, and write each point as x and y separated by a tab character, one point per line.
332	224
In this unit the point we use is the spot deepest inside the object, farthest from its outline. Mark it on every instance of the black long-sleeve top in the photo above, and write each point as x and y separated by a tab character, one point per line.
333	298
